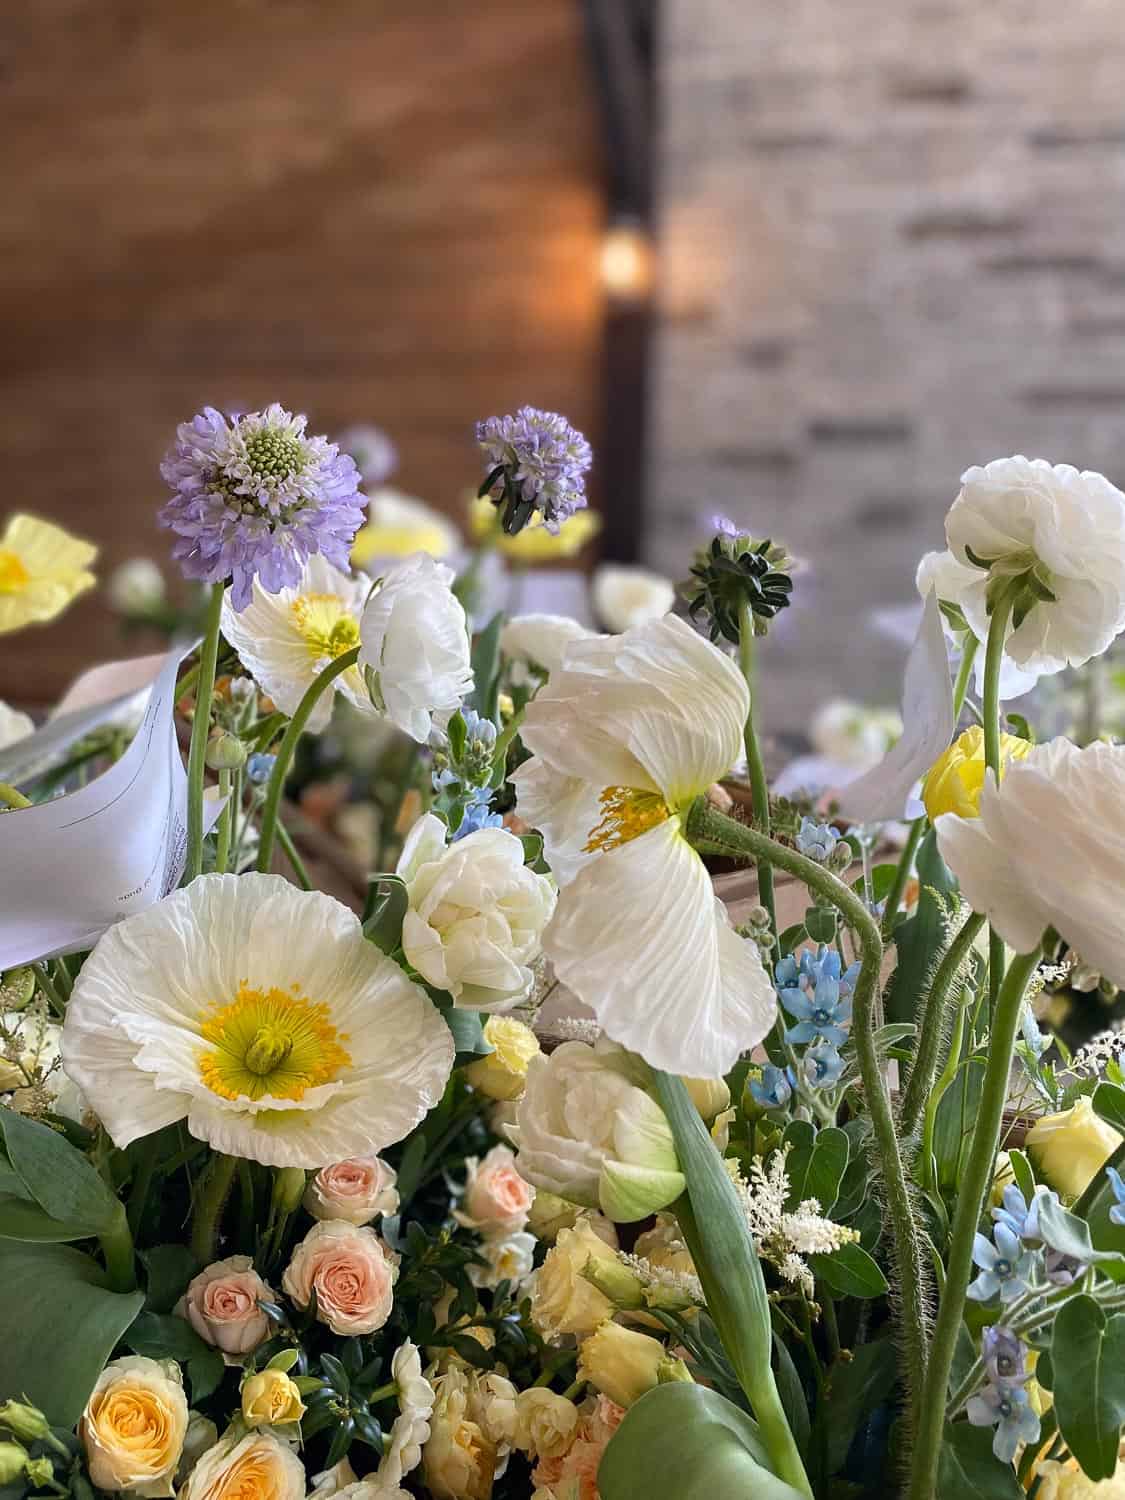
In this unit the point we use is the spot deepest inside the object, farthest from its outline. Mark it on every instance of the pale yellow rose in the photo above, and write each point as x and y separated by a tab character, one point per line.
550	1213
258	1466
1066	1481
563	1301
623	1364
502	1074
352	1272
221	1304
358	1190
134	1425
545	1422
269	1399
1071	1148
458	1460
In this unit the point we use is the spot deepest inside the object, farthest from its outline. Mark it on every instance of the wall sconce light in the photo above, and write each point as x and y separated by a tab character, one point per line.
626	260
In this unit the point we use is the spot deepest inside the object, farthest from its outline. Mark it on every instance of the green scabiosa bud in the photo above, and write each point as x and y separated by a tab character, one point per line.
736	570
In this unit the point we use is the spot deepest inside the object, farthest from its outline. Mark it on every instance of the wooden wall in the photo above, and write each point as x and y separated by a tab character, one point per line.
369	211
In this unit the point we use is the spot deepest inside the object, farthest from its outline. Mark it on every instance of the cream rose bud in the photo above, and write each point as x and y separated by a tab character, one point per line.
352	1272
258	1466
497	1199
624	1364
545	1422
414	644
458	1460
502	1074
476	913
550	1213
357	1190
589	1131
221	1304
270	1399
563	1300
134	1425
1070	1149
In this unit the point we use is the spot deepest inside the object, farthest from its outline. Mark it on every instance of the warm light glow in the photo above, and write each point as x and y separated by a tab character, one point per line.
626	261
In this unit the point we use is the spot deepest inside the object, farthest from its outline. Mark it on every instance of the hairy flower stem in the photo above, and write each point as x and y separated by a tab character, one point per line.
117	1246
711	830
931	1017
209	1207
993	660
730	1272
288	745
973	1186
200	726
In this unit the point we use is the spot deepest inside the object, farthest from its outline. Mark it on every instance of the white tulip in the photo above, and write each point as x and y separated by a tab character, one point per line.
476	915
624	597
414	638
1016	516
1047	851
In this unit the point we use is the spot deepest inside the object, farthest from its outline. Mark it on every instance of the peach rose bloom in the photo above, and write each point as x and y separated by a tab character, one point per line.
575	1472
221	1304
258	1466
357	1190
497	1199
134	1425
352	1272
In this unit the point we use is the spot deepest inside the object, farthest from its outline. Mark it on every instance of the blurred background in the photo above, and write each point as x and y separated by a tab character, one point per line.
793	261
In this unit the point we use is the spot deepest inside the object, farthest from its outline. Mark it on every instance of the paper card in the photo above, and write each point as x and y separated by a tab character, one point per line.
73	866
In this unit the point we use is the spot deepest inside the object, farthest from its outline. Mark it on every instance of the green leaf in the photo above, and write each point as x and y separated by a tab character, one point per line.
161	1337
800	1137
855	1390
532	848
1108	1100
820	923
792	937
1088	1360
920	940
792	1394
387	901
826	1168
968	1467
849	1271
170	1268
486	668
1022	1172
686	1441
57	1177
458	733
61	1325
466	1026
1070	1235
410	1167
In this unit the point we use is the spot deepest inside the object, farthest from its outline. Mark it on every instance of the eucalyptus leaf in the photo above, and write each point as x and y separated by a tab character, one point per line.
58	1177
849	1271
1088	1366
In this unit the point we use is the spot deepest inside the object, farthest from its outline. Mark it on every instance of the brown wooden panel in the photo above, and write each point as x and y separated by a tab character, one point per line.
368	211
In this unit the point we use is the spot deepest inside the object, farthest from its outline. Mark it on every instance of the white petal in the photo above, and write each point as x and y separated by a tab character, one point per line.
565	810
641	938
541	639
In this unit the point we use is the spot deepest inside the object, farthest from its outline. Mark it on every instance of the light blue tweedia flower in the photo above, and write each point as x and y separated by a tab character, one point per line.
1022	1218
480	746
817	996
1004	1356
817	840
259	768
256	497
1117	1212
1035	1040
1006	1408
773	1090
540	462
823	1065
477	815
1005	1267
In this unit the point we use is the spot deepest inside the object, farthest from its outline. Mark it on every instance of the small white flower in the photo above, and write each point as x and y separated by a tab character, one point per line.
508	1259
414	639
627	596
1015	515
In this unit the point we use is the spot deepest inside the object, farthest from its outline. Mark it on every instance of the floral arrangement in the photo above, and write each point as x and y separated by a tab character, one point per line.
536	1175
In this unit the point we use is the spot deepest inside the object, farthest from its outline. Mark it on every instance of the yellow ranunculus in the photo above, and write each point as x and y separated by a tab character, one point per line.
953	783
1071	1148
42	569
534	543
270	1398
503	1072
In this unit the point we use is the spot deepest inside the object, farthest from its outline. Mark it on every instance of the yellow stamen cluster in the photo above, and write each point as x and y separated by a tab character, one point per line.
626	814
270	1042
327	625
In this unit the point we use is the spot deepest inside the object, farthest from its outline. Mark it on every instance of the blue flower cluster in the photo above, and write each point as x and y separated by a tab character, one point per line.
817	840
461	776
1002	1403
818	996
1019	1255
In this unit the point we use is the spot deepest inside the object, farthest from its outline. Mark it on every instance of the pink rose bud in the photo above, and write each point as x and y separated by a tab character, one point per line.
221	1304
497	1199
352	1272
357	1190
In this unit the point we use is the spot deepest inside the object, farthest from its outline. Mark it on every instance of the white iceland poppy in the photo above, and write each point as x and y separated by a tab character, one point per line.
624	737
1062	530
285	640
261	1016
1048	850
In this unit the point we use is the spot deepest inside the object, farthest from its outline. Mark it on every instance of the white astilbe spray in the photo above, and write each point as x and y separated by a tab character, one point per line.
784	1238
1106	1047
679	1285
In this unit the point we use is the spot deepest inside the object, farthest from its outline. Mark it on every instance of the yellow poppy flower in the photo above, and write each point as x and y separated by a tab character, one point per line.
534	543
42	569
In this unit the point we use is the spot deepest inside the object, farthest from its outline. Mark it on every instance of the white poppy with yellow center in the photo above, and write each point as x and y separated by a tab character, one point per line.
261	1016
42	569
625	736
285	640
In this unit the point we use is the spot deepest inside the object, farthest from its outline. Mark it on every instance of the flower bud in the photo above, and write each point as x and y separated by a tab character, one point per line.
1070	1149
27	1422
709	1095
288	1188
623	1364
13	1460
270	1398
954	781
17	987
40	1472
614	1280
225	752
259	768
502	1074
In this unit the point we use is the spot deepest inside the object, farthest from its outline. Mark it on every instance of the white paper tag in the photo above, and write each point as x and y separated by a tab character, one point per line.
72	867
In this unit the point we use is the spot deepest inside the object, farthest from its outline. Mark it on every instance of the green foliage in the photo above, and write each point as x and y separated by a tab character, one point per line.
967	1466
167	1337
50	1192
922	938
849	1272
855	1390
486	668
1088	1362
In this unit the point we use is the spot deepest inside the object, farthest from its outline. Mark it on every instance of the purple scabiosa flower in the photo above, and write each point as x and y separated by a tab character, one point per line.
255	496
536	462
1005	1267
1006	1408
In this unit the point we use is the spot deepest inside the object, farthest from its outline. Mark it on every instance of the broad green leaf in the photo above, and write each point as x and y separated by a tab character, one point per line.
1022	1172
968	1467
61	1325
1088	1366
792	1394
849	1271
169	1337
826	1168
486	668
58	1177
854	1391
686	1441
920	940
1070	1235
387	901
410	1167
820	923
22	1219
800	1137
466	1026
169	1268
1108	1100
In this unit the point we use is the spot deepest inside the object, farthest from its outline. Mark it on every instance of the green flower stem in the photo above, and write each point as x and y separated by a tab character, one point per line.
209	1207
11	798
993	660
222	841
931	1024
759	787
973	1186
939	1091
286	842
710	829
146	1152
288	745
503	744
200	725
731	1274
47	985
117	1248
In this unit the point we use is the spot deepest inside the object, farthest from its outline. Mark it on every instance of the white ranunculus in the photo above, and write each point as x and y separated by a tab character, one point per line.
14	726
1047	851
627	596
476	916
541	640
588	1131
950	579
1015	514
414	638
624	738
